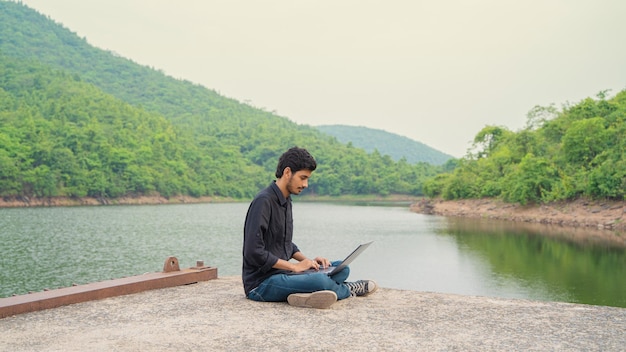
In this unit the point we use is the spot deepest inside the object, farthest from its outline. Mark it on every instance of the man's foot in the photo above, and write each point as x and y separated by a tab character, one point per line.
318	299
362	287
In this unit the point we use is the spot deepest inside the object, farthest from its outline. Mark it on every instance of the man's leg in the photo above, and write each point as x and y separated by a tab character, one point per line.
341	276
278	287
357	288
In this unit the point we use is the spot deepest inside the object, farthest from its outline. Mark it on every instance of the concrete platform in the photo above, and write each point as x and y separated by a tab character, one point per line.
215	316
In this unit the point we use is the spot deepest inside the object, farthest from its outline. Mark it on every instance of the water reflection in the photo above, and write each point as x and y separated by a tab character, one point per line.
573	265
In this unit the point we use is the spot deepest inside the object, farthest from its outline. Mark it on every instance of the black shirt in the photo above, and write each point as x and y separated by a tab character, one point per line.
267	236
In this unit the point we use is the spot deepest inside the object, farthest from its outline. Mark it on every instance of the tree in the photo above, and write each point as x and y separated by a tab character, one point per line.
584	140
530	181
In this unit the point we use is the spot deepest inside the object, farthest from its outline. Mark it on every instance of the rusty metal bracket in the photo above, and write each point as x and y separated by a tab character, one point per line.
171	264
170	276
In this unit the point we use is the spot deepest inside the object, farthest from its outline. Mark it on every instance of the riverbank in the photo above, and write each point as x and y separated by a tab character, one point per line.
581	213
215	316
23	202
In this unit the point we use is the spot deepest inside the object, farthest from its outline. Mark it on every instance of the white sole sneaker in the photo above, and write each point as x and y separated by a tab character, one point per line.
318	299
361	288
372	286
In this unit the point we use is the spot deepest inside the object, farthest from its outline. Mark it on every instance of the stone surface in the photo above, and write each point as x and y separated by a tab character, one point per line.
215	316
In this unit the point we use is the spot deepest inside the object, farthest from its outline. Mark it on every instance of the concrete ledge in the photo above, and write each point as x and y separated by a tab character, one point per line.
215	316
104	289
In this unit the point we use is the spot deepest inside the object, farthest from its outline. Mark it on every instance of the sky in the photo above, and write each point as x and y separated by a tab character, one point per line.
435	71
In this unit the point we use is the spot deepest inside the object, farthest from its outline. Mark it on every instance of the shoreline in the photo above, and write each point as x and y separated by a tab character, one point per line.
609	216
26	202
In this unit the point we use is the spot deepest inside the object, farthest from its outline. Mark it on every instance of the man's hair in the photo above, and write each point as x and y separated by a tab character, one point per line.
296	159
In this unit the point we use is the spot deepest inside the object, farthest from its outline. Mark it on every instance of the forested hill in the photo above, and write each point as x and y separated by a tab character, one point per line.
386	143
578	151
79	121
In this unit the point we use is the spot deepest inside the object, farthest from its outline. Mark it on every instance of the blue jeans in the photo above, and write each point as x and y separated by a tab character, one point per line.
277	287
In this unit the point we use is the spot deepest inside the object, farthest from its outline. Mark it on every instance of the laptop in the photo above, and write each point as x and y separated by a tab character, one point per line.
335	269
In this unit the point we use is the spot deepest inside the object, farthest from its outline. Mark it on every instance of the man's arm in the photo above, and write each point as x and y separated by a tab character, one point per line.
303	264
257	222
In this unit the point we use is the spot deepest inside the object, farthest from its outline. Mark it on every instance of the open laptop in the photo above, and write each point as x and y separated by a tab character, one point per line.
335	269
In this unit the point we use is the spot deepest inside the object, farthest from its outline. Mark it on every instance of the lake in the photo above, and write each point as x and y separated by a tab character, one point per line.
60	246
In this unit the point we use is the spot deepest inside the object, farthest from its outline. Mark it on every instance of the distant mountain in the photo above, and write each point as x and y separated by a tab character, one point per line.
396	146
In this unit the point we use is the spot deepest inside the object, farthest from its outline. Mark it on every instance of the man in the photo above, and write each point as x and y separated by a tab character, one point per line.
267	273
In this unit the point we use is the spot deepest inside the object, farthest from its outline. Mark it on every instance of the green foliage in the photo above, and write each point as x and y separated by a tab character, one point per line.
79	121
561	155
584	140
489	138
528	181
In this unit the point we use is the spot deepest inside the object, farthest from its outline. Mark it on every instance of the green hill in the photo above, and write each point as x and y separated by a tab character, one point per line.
397	147
561	155
76	120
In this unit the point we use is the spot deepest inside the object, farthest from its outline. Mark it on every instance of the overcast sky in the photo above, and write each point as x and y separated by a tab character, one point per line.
435	71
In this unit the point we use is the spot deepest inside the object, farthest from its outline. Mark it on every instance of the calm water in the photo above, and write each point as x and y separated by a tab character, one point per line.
56	247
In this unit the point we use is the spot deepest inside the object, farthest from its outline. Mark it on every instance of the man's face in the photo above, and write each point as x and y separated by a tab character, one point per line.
298	181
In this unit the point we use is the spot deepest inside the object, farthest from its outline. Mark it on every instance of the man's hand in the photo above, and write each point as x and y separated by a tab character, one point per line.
306	264
303	263
315	264
322	262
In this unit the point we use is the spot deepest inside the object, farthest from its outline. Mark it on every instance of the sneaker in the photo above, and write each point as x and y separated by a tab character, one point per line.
318	299
361	287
